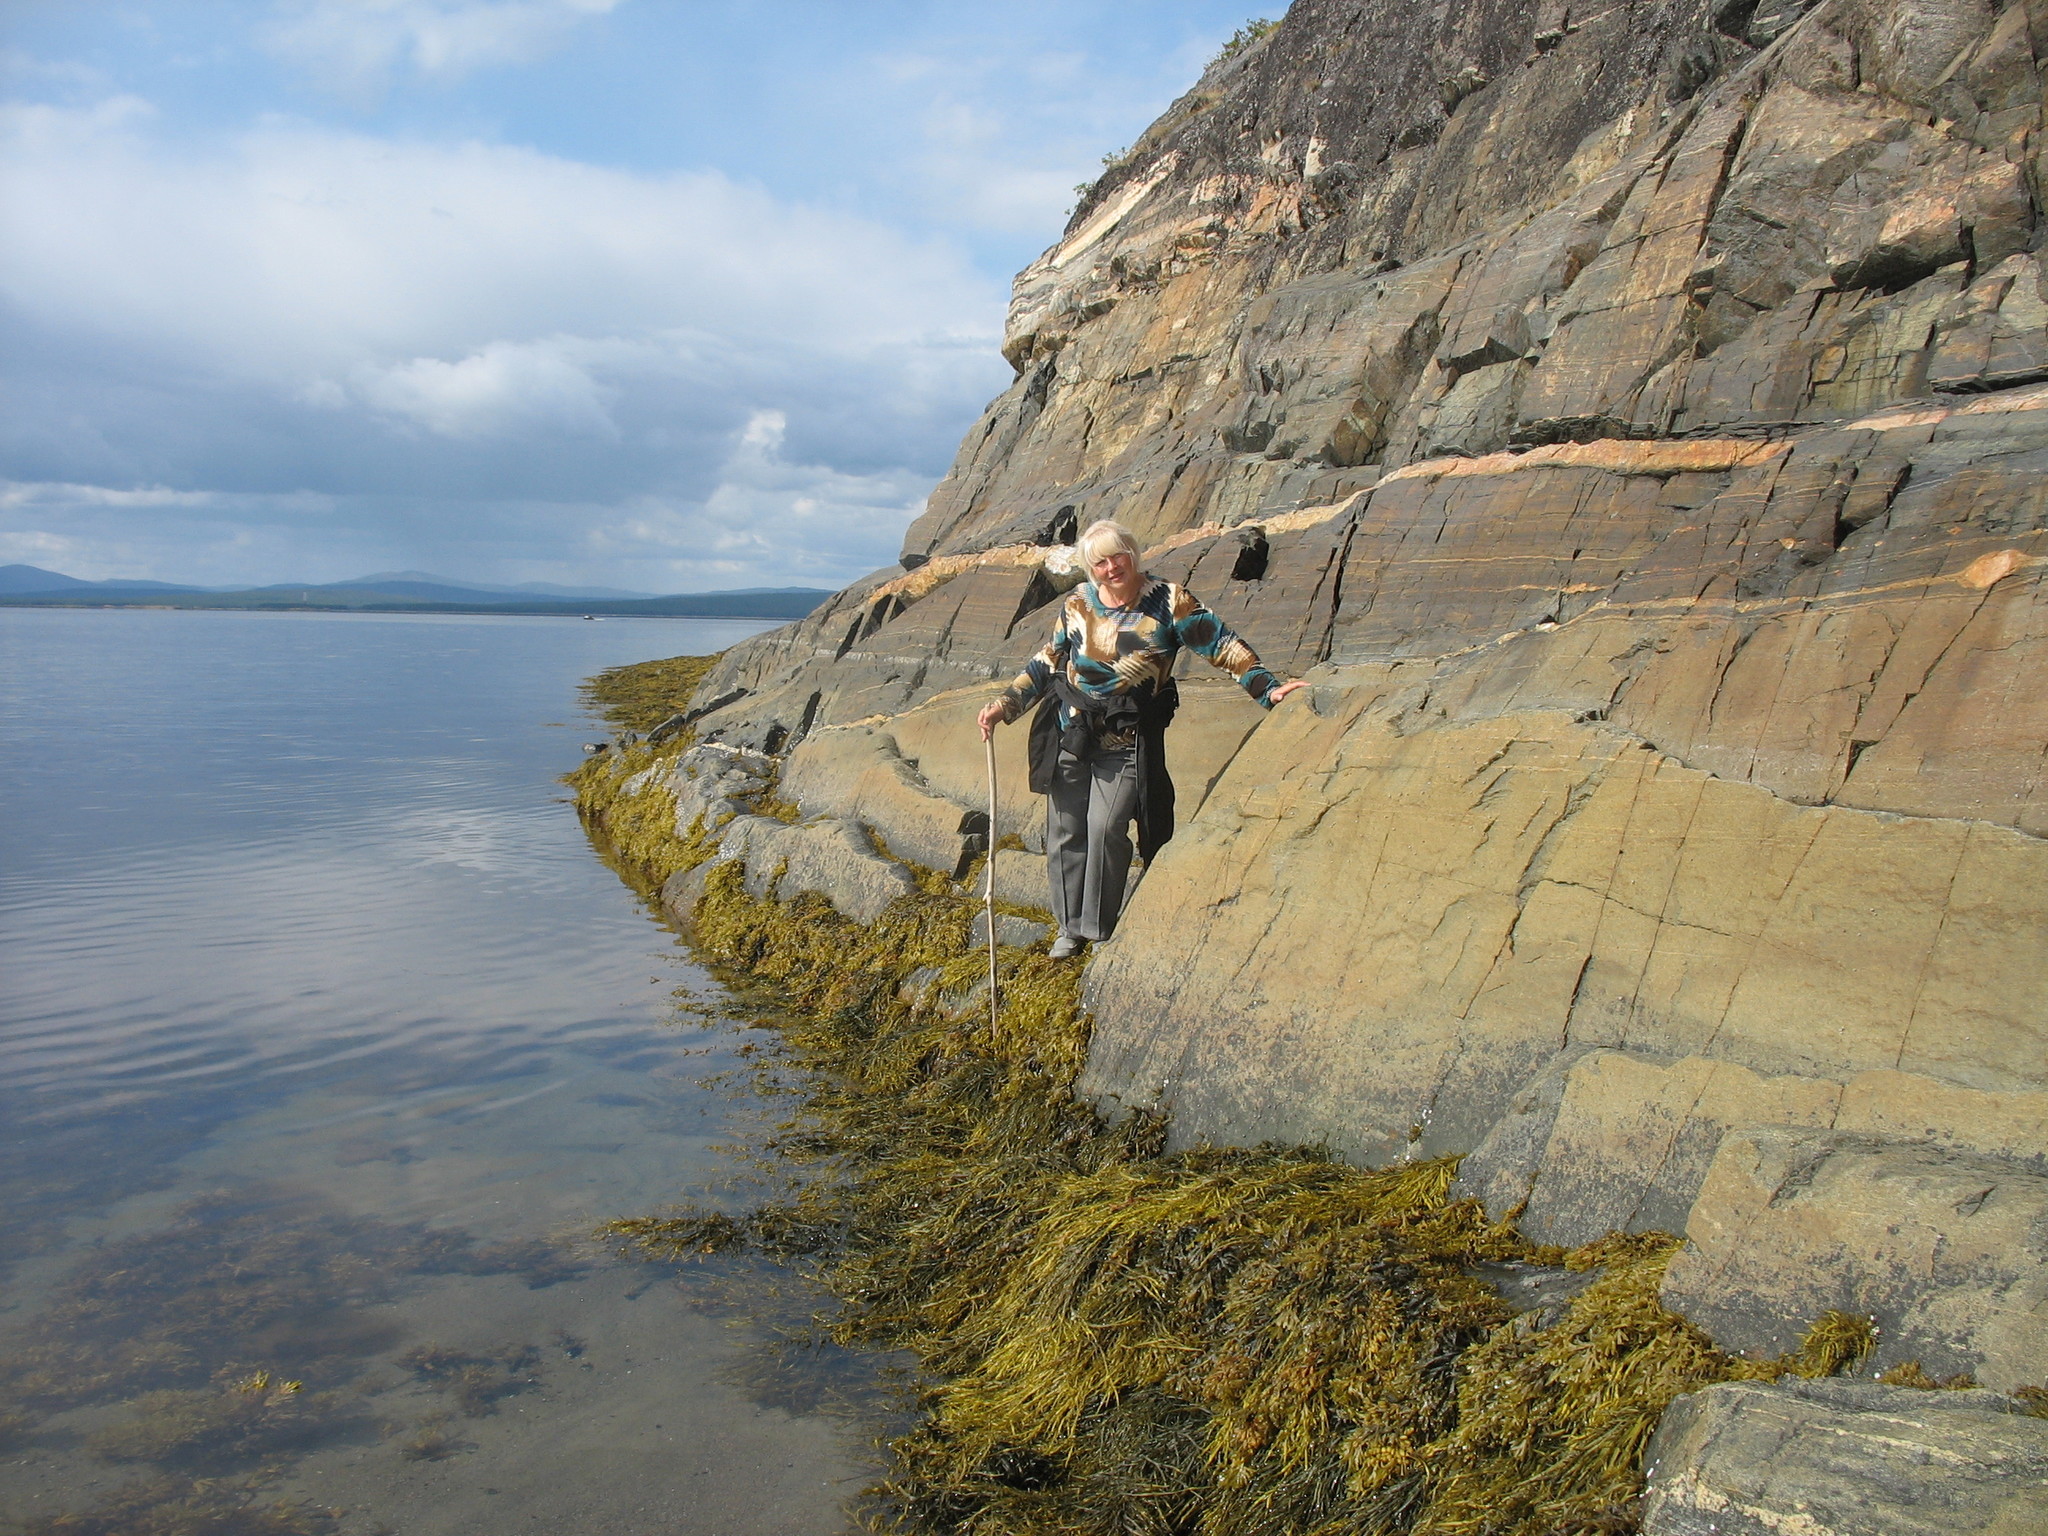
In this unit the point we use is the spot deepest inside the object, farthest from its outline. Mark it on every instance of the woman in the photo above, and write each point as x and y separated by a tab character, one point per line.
1105	689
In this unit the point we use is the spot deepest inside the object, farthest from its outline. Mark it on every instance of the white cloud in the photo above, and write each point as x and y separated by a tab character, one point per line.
766	512
762	436
356	46
1001	137
505	387
15	495
292	248
462	347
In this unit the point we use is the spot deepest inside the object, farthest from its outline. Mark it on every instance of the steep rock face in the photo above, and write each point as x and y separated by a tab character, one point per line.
1633	421
1388	234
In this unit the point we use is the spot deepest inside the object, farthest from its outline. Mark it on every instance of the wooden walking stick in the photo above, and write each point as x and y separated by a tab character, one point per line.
989	883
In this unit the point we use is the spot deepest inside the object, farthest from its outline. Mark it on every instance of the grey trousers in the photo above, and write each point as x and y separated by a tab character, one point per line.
1087	839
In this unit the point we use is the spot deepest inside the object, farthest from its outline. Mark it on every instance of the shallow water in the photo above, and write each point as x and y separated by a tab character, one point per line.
324	1039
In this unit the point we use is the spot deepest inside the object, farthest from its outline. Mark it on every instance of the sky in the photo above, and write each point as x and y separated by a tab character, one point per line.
668	295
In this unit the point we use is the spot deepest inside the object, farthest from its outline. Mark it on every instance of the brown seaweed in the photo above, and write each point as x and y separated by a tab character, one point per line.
185	1506
640	696
1116	1340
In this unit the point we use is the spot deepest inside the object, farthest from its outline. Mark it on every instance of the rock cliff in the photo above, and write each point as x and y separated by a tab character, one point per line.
1631	417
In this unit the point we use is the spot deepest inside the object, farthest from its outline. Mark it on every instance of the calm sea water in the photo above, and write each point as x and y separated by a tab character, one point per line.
324	1039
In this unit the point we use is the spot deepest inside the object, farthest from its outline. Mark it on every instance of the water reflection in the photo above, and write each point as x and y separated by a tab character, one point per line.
324	1040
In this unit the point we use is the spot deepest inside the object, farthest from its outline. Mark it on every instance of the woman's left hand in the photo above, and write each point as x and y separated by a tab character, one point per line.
1281	692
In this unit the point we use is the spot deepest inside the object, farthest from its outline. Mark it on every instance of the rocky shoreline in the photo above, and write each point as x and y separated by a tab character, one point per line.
1632	420
1249	1341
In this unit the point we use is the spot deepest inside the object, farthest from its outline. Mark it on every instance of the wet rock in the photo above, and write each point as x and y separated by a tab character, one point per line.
1832	1458
681	891
1543	1290
712	784
1017	932
918	988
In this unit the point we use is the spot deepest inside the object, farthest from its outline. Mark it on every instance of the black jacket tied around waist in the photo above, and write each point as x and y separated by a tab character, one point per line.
1144	716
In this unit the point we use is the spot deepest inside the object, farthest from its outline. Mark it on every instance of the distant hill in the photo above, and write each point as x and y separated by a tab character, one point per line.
29	578
386	579
399	592
16	579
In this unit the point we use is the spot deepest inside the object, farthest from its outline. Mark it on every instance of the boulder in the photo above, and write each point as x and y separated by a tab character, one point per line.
1837	1458
1909	1106
1601	1140
712	783
941	743
858	772
831	857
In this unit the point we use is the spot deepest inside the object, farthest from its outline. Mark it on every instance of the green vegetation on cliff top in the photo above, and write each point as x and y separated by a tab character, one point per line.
1218	1342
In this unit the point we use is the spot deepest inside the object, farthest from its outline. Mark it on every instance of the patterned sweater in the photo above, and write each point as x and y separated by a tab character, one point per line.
1106	651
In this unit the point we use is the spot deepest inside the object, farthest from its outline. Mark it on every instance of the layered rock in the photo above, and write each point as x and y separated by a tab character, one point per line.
1825	1458
1632	420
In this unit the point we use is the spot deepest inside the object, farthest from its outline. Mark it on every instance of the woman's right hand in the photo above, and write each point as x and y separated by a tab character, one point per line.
990	717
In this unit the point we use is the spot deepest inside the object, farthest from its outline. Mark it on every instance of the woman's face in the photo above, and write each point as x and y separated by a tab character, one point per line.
1115	569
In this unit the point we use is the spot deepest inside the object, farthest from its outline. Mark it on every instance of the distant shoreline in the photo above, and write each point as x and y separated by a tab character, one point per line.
771	605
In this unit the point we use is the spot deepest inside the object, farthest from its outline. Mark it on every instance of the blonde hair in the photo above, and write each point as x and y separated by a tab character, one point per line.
1105	537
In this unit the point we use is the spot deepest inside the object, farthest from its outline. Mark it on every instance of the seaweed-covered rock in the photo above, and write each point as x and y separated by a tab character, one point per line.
711	783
